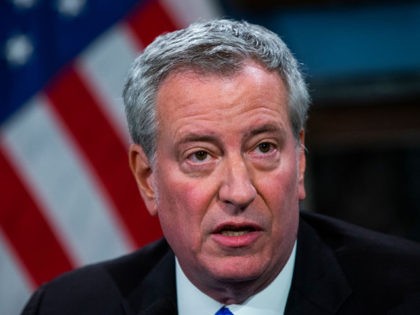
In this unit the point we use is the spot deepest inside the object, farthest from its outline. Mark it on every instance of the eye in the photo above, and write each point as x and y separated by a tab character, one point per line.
265	147
265	155
199	156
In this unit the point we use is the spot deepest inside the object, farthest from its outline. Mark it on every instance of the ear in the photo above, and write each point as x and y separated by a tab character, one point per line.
143	173
302	165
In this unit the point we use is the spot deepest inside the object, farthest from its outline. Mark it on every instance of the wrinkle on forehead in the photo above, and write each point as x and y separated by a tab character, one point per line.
189	100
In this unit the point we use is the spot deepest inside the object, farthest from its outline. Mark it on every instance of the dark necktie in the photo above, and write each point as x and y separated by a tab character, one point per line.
224	311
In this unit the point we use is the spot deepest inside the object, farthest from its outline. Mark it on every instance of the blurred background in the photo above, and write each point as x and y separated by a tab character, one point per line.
66	195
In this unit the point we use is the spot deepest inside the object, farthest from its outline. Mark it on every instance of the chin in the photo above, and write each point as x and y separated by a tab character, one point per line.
238	269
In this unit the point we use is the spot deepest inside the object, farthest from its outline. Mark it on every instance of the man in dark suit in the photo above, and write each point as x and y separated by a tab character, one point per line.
216	113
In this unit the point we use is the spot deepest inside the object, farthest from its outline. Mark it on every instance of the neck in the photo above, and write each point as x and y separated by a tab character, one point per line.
237	292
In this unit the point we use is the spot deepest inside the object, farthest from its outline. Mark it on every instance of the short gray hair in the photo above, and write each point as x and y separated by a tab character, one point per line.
218	47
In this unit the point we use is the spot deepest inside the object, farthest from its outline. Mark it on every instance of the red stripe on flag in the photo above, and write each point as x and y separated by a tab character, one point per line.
149	20
26	229
105	151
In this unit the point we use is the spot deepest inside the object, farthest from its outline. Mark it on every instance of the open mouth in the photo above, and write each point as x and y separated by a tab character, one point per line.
234	230
237	235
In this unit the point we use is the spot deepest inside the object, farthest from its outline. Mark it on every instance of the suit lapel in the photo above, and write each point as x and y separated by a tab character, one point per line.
156	295
319	285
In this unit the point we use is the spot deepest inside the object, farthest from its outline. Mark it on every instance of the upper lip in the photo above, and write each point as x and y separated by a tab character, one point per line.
234	226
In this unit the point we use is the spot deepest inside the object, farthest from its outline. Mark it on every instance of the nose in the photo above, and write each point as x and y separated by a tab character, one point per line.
237	188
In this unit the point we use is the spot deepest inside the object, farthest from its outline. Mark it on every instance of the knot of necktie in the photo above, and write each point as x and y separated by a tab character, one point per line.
224	311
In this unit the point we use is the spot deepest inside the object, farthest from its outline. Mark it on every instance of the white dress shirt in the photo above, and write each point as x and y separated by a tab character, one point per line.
270	301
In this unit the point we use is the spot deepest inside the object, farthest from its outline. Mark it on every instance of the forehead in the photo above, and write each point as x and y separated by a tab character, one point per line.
189	96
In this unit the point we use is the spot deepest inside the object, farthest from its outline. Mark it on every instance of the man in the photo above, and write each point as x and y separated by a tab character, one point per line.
216	113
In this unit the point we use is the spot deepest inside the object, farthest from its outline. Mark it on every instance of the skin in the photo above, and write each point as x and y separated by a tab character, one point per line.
227	178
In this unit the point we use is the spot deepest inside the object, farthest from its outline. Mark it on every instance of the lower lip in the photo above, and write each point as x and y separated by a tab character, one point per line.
236	241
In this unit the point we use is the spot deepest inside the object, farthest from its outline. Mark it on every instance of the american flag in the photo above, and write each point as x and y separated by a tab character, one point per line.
67	197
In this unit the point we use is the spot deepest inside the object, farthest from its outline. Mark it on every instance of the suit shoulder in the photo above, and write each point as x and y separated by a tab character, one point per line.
365	254
345	237
97	287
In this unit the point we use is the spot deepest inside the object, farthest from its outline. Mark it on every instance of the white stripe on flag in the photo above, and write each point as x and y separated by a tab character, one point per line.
185	12
59	179
14	288
104	66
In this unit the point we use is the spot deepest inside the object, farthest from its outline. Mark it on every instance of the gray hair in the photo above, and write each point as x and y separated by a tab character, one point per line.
217	47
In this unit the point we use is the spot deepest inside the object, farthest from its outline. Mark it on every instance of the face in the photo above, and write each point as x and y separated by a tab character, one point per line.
227	178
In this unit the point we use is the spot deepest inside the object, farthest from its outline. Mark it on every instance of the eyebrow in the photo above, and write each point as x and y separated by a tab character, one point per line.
266	128
204	137
198	137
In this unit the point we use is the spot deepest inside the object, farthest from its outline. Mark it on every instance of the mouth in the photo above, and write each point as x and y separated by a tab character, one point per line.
236	235
235	230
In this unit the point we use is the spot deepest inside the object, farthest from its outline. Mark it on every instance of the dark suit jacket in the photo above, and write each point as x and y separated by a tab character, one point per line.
340	269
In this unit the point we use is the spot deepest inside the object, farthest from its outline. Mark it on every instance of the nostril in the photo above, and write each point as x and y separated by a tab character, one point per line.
239	196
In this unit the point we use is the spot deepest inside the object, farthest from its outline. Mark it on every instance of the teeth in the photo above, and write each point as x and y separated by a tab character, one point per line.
234	233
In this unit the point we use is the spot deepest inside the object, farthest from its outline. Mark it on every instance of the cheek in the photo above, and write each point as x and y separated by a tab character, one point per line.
182	205
182	212
281	192
283	185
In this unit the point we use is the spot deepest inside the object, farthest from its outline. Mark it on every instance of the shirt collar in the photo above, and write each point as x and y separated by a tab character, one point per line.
270	301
